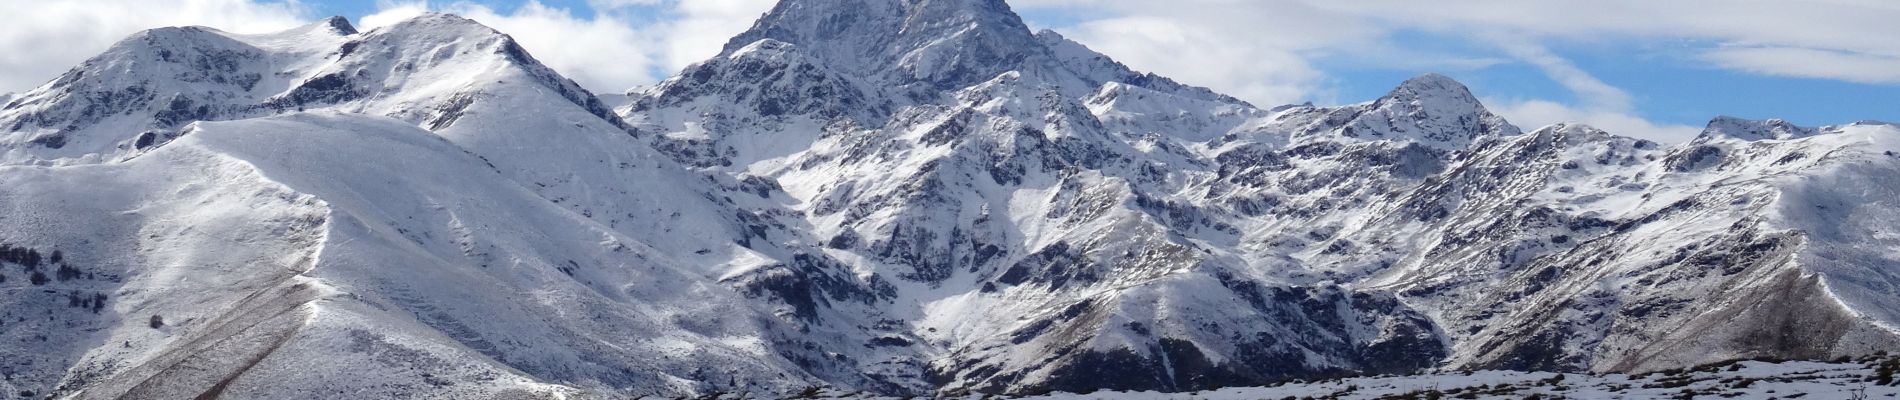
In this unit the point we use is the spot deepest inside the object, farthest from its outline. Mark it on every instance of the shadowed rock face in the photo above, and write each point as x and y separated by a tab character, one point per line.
944	44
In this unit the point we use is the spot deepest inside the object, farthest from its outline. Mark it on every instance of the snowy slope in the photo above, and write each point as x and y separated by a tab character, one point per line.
463	81
1071	195
1105	213
1842	379
1573	249
890	196
449	270
464	265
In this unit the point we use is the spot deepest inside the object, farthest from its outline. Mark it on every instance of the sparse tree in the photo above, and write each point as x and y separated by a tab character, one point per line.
98	302
810	392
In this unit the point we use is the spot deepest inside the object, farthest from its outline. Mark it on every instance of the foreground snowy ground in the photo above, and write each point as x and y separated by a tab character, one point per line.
1867	378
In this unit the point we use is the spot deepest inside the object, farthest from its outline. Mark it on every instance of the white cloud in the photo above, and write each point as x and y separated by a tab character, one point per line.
390	12
1230	45
1197	55
1604	106
1266	50
1593	91
42	39
607	50
701	28
1538	113
1805	38
613	4
1809	63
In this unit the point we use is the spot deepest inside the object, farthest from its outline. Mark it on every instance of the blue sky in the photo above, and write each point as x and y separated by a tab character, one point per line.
1666	87
1641	68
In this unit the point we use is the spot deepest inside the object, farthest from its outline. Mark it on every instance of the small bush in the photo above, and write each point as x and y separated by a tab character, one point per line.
810	392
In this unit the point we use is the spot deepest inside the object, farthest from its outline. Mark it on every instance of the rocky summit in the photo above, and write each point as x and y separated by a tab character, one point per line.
883	197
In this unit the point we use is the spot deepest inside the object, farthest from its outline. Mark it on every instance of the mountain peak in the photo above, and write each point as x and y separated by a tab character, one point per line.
1574	132
1433	86
945	43
339	25
435	19
434	29
322	35
1432	109
331	26
765	48
1752	130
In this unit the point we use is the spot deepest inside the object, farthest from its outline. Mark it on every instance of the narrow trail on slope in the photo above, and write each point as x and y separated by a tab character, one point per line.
217	390
215	357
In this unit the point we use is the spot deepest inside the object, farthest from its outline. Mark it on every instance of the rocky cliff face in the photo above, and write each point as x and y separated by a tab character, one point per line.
899	196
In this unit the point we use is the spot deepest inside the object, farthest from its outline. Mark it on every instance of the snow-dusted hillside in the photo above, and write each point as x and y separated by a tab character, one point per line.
886	196
297	244
1117	220
486	247
1866	378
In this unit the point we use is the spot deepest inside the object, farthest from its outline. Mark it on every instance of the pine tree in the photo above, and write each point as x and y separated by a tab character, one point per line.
98	302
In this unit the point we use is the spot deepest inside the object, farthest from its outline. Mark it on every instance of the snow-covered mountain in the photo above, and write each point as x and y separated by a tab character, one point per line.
1864	378
904	197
